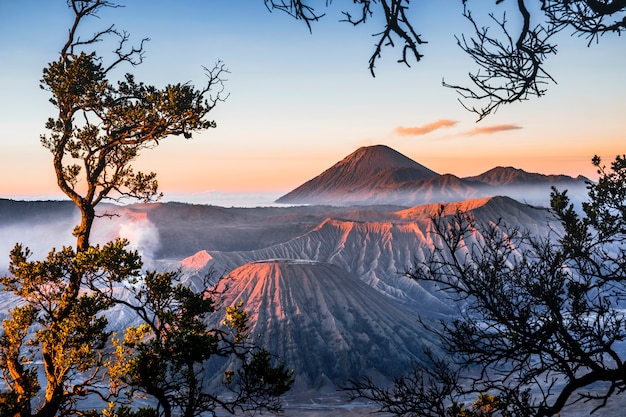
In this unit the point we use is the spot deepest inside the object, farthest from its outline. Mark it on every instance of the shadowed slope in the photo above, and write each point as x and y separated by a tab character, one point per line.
323	322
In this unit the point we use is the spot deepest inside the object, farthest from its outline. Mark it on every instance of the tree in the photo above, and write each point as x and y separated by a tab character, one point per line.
541	319
102	127
510	61
65	330
167	356
60	318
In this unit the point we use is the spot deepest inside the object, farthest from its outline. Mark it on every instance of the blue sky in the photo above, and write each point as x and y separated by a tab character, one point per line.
301	101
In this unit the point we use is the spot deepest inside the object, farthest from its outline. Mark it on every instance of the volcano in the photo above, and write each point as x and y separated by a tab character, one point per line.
324	322
379	175
357	176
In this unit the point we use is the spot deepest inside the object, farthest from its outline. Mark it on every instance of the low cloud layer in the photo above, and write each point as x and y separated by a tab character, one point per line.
488	130
425	129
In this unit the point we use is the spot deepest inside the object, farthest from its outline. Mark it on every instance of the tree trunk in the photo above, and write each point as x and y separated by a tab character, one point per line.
54	388
23	385
83	230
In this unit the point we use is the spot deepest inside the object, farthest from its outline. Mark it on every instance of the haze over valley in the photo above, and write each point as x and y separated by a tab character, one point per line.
322	273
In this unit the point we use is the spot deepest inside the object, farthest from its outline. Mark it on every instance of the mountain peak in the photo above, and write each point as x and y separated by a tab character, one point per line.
197	261
381	157
356	174
379	175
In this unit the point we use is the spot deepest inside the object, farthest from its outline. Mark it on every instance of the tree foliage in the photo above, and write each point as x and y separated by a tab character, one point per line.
103	125
510	59
167	357
65	330
541	319
55	346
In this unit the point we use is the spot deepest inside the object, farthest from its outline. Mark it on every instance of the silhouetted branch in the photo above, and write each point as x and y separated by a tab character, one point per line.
589	18
134	56
297	9
398	26
510	68
82	9
427	391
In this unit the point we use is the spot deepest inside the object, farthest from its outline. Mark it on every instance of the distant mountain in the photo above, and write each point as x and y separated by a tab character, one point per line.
358	175
513	176
381	175
14	211
323	322
531	188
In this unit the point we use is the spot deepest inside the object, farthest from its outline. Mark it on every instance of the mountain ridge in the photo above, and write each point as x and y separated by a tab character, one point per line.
378	251
381	175
510	175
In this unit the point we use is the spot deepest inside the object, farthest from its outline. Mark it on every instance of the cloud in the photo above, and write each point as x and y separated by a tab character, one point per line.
423	130
488	130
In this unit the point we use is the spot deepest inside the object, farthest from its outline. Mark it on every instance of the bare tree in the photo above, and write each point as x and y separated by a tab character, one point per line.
540	323
510	61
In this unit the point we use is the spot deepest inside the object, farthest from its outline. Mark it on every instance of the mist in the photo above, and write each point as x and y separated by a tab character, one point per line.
226	199
39	236
42	233
140	232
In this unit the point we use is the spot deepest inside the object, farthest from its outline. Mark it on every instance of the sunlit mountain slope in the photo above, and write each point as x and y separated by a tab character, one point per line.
324	323
379	252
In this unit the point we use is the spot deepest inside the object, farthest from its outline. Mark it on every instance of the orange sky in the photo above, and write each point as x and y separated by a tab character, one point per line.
300	102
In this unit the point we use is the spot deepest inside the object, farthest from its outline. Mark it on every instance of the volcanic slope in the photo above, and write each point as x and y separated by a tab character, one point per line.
380	175
323	322
357	176
378	252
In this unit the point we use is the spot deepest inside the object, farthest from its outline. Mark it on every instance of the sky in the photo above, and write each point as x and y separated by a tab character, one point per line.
300	101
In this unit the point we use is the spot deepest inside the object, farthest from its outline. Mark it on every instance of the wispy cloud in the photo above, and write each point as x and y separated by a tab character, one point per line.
488	130
425	129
